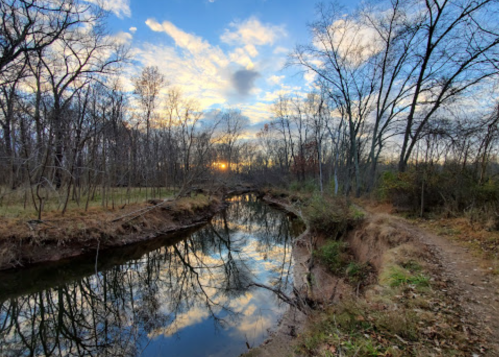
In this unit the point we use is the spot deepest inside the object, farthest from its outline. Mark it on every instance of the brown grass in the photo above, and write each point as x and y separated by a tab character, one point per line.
477	235
25	240
481	241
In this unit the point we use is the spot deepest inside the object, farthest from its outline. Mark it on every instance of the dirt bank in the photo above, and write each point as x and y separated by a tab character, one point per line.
27	242
423	296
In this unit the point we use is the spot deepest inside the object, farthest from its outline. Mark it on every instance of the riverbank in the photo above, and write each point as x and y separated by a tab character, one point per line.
25	242
387	288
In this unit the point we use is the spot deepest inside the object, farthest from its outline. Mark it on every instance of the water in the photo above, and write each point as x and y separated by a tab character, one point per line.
186	295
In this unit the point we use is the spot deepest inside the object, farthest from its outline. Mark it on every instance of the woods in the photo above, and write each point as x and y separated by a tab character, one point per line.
402	95
400	87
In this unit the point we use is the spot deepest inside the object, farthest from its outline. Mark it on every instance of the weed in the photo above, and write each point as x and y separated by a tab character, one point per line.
333	255
308	186
328	216
400	276
357	272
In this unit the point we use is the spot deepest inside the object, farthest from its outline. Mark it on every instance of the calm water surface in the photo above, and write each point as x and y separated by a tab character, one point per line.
175	296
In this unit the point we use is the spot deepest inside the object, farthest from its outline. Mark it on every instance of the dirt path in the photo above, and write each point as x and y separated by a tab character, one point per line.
469	287
474	287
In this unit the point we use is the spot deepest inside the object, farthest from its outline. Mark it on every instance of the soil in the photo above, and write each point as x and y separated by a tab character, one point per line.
465	279
475	288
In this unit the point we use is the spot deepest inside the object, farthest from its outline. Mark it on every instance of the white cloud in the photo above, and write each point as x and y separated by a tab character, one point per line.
122	38
197	67
193	43
241	57
355	41
280	50
310	77
120	8
205	72
284	91
252	32
257	113
132	29
275	80
252	51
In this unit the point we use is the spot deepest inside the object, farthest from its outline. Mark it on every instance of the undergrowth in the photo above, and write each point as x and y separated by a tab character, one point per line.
331	216
405	314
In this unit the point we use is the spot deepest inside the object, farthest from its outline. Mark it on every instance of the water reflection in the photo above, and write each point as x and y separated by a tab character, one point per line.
190	298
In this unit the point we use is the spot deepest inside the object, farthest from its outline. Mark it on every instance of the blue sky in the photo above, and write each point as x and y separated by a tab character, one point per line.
225	53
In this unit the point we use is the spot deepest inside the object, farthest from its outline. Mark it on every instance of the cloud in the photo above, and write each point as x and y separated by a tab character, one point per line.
310	77
121	8
275	80
241	57
198	76
215	77
193	43
251	50
244	80
355	41
252	32
281	50
132	29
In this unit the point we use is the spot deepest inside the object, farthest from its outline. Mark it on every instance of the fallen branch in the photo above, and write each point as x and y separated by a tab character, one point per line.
297	302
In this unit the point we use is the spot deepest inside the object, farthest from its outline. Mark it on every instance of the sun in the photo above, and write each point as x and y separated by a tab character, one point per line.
222	166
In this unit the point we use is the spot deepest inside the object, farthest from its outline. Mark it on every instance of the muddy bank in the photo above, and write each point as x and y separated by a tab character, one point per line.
27	242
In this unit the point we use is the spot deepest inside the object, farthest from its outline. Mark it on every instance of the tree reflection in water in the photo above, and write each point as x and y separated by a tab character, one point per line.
190	298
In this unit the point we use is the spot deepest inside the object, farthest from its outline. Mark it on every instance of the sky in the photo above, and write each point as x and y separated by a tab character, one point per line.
224	53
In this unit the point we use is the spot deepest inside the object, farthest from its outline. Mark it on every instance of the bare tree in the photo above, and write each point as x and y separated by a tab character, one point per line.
457	43
29	26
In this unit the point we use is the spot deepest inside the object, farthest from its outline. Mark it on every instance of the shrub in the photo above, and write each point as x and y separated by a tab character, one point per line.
334	256
449	188
308	186
358	272
328	216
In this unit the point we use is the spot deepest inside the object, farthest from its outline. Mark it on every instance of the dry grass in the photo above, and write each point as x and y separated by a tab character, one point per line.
18	203
27	241
478	235
194	203
482	242
408	318
78	223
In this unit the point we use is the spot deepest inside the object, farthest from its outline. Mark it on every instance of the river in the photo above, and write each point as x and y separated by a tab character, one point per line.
184	295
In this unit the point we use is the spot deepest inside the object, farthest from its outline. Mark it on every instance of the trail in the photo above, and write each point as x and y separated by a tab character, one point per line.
469	279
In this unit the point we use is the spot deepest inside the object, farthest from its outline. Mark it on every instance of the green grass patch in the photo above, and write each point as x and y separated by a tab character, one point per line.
334	256
399	276
357	272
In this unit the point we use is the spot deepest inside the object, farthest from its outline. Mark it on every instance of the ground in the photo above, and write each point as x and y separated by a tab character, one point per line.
456	315
473	282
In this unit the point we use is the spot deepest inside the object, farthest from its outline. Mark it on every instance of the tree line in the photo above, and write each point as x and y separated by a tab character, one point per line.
402	85
405	86
70	129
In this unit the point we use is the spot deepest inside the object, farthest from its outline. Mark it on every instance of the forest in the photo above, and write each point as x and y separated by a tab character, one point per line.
404	106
